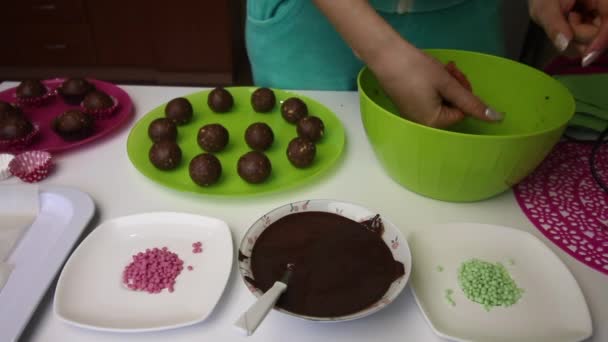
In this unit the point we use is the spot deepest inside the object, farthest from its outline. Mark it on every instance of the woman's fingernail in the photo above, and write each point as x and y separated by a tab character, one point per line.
561	42
493	114
590	58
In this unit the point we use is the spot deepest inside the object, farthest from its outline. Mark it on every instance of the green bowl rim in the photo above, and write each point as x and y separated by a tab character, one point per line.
398	118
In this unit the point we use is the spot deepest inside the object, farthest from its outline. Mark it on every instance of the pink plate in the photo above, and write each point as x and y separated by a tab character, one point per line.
43	116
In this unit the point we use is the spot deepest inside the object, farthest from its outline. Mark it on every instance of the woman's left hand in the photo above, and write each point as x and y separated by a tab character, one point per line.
576	27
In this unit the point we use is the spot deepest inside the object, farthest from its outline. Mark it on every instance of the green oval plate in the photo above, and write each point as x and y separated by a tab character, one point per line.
283	175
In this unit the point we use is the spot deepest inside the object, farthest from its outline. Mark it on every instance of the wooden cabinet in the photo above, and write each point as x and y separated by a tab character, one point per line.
176	42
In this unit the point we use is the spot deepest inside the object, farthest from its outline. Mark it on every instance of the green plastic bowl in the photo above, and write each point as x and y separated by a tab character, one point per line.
473	160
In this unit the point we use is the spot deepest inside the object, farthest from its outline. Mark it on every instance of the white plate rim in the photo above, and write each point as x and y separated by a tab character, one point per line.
84	209
106	223
425	228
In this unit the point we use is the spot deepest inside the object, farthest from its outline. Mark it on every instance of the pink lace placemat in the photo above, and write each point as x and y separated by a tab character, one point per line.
564	202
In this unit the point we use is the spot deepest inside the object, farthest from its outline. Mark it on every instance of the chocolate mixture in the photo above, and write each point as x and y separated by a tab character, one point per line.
341	266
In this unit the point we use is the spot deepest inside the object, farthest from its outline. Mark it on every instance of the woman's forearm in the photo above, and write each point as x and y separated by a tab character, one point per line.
367	33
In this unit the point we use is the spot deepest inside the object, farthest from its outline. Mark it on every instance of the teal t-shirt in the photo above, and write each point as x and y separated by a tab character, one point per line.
291	45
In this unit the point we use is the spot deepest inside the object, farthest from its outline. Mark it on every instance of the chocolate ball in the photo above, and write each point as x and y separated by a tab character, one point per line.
73	90
301	152
220	100
7	110
97	100
254	167
179	110
212	137
6	107
259	136
73	125
293	109
310	127
30	89
162	129
263	100
205	169
165	155
14	126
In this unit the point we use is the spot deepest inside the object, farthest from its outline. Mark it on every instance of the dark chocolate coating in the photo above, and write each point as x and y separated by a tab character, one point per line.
259	136
30	88
96	100
73	125
220	100
301	152
311	128
73	90
212	137
254	167
6	107
179	110
14	126
205	169
263	100
293	109
341	266
8	111
162	129
165	155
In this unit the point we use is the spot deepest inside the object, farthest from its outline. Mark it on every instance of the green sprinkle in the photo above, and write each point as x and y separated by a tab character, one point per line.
448	296
488	284
439	268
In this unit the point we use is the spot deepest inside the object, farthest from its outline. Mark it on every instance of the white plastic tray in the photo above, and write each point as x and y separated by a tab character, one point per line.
64	213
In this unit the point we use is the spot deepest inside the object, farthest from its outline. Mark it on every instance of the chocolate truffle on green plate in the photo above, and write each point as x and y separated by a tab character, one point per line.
293	109
263	100
73	125
259	136
30	89
254	167
310	127
165	155
212	137
162	129
179	110
220	100
301	152
205	169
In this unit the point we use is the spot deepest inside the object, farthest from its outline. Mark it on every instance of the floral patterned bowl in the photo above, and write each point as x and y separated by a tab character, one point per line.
392	236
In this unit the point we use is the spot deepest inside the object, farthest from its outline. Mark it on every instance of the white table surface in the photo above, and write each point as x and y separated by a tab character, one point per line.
104	171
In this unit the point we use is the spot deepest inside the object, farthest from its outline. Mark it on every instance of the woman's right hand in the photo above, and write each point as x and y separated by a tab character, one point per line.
423	90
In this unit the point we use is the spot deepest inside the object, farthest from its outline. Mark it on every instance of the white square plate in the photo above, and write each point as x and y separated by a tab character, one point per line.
552	307
90	292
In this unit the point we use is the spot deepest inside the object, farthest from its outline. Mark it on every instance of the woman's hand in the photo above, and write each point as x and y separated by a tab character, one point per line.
577	28
420	86
424	90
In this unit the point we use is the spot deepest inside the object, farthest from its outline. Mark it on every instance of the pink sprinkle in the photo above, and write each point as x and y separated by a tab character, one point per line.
152	271
190	268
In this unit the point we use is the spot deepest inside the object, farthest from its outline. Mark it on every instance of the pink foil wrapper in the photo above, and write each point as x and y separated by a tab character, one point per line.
38	101
104	113
16	145
31	166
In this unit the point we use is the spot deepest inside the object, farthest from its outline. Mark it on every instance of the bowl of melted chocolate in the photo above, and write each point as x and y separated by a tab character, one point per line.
349	261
